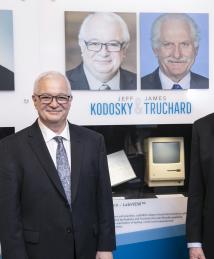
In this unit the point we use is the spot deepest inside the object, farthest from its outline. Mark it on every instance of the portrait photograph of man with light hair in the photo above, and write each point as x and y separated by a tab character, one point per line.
6	51
100	50
177	48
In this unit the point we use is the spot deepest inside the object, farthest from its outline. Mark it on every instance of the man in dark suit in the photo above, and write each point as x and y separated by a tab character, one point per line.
79	81
103	39
152	81
49	211
175	43
200	211
6	79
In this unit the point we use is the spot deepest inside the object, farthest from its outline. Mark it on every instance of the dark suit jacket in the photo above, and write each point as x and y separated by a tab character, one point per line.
6	79
36	221
78	80
200	212
152	81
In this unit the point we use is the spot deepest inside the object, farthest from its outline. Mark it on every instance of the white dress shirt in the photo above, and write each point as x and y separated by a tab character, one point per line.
195	244
95	84
48	136
167	83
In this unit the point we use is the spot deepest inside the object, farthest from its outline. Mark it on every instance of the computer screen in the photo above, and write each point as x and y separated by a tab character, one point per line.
166	152
164	161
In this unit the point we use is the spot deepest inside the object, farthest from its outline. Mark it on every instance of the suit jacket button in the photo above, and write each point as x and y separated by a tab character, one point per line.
67	205
68	230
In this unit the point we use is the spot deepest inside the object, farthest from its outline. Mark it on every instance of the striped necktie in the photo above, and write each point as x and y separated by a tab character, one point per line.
63	167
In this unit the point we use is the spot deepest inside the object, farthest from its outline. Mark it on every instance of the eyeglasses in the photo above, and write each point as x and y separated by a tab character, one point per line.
47	99
96	46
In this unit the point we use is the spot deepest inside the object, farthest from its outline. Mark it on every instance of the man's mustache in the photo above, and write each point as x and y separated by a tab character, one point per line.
180	60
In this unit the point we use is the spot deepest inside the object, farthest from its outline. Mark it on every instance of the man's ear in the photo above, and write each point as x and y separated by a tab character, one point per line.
155	50
34	99
124	53
196	51
82	45
71	98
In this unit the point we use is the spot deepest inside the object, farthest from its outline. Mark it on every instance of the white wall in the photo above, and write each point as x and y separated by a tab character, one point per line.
39	46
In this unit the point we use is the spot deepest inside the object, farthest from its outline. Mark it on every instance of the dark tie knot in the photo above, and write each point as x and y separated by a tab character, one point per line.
104	87
58	139
176	87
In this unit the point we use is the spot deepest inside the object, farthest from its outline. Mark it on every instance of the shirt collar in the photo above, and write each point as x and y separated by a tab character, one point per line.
167	83
95	84
48	134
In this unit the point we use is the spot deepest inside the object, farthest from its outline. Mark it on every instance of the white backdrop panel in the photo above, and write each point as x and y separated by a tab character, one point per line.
39	45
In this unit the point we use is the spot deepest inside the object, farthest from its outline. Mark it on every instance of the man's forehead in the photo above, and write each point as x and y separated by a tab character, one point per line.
99	28
56	83
175	28
175	24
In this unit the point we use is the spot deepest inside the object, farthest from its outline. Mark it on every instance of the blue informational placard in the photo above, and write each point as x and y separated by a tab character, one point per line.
150	228
163	248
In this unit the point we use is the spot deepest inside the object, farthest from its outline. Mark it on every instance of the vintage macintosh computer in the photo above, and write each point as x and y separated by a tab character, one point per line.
165	164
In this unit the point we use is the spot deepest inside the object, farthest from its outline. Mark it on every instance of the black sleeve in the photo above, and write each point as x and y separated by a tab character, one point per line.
106	241
11	234
196	193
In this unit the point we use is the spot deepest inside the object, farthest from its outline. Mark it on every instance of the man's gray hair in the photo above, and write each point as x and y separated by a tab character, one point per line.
156	27
109	17
47	75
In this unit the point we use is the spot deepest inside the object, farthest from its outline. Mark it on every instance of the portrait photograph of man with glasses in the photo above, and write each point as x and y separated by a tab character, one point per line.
107	56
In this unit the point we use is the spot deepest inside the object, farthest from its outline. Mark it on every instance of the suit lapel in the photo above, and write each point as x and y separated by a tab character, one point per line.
193	81
77	147
125	81
157	79
80	77
40	149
